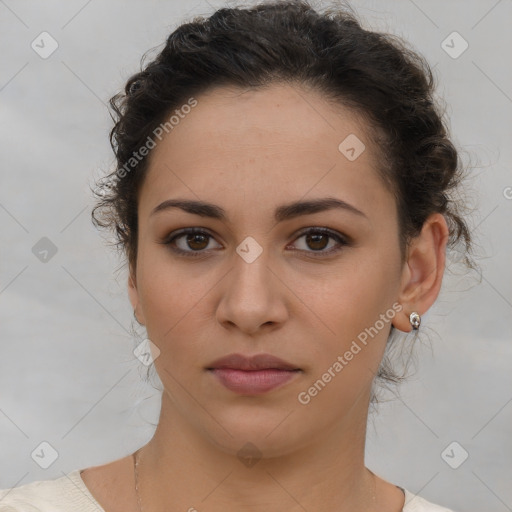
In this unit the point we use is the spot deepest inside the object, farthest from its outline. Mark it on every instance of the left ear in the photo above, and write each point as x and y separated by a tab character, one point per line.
423	270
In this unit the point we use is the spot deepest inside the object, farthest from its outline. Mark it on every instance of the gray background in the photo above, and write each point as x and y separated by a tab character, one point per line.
67	372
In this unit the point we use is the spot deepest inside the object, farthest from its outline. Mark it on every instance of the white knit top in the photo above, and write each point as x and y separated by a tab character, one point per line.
70	494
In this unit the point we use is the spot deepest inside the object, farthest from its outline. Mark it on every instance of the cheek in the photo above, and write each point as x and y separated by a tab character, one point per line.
344	364
171	295
355	302
170	304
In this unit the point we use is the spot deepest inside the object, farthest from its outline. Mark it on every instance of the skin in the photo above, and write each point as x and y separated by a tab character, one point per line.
250	151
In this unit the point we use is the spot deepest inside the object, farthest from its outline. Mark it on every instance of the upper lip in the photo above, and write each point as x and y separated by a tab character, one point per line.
255	362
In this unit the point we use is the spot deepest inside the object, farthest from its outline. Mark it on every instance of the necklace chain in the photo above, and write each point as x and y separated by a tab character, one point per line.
136	463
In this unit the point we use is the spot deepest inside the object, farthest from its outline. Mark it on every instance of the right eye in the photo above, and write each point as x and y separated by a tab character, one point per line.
189	242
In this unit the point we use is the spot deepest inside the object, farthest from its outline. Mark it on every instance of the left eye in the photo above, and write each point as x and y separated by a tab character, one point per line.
317	239
194	242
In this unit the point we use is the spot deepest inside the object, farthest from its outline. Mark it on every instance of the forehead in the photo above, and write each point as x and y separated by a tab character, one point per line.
273	143
277	114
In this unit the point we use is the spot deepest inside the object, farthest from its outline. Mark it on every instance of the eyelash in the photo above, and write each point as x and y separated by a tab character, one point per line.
316	254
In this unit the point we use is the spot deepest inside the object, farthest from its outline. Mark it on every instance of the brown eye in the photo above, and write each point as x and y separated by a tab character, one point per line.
190	242
197	241
317	242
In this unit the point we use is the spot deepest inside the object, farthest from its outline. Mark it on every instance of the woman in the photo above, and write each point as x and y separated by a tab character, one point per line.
282	198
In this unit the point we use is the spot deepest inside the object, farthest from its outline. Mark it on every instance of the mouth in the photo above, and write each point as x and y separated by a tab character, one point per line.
252	375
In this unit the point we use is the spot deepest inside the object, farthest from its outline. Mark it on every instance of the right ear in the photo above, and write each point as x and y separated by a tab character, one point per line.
133	294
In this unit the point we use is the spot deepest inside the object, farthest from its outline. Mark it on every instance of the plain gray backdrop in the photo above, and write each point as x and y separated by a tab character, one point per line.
68	376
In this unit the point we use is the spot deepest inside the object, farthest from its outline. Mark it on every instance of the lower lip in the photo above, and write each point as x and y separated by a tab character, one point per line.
253	382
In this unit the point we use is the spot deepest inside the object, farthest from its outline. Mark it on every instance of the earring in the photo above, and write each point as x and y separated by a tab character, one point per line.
415	320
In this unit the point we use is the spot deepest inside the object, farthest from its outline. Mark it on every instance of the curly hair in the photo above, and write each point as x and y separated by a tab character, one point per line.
374	74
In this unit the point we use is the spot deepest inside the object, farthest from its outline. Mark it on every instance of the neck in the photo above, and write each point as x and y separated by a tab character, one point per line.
181	468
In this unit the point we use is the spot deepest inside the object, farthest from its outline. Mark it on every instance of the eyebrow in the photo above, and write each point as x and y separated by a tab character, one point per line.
281	213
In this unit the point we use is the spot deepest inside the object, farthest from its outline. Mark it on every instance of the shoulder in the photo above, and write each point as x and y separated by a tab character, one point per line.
64	494
415	503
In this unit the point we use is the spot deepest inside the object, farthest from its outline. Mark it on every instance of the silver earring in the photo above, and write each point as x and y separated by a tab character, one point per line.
415	320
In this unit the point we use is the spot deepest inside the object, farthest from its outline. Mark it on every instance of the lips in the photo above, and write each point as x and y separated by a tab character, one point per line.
252	375
256	362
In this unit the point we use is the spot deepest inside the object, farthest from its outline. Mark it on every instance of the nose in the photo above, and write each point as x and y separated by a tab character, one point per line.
253	296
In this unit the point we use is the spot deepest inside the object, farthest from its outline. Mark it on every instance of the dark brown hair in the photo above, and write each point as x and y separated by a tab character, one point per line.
374	74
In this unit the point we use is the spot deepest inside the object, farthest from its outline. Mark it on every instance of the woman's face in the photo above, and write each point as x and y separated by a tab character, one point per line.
255	282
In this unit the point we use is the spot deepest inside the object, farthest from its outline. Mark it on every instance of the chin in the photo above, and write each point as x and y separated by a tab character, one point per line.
265	434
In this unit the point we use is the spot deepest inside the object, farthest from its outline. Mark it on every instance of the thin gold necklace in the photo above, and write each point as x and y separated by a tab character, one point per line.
136	463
